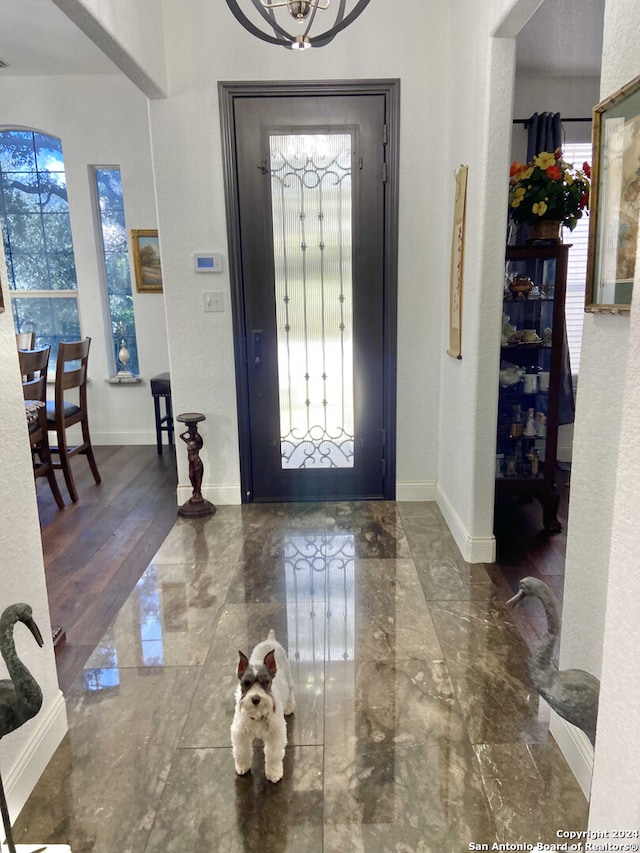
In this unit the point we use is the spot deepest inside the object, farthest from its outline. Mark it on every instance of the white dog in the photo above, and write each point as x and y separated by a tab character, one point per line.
263	697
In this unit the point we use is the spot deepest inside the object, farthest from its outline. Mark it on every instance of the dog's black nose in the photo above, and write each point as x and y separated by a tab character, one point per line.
255	700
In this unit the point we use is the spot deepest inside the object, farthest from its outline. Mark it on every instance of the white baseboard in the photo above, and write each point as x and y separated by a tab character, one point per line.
217	494
474	549
419	491
576	748
23	776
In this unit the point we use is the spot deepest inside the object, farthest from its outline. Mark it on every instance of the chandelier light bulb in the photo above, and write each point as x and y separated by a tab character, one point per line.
299	9
300	43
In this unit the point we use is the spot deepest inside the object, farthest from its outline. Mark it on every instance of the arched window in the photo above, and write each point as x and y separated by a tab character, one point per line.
34	213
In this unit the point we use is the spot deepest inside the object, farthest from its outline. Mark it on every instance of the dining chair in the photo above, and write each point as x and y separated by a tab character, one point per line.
25	340
71	372
33	367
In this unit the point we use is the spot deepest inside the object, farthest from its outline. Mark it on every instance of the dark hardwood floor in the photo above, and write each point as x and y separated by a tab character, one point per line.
96	550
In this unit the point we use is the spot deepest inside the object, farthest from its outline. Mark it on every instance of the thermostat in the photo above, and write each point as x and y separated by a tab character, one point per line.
207	263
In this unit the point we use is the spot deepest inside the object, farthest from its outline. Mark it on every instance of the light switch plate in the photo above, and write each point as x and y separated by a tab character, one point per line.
212	300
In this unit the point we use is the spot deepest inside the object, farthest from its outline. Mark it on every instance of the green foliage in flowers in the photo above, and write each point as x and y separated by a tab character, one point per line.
549	188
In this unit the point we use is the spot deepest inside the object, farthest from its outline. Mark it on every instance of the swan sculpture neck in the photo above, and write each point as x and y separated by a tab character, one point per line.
21	698
544	655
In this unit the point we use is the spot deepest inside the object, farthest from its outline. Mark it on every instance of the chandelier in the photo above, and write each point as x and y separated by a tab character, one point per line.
300	15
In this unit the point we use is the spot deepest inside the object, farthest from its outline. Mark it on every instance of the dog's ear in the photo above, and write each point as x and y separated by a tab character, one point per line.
243	663
270	662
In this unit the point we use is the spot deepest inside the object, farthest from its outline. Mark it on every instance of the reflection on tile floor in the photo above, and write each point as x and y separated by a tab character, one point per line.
416	728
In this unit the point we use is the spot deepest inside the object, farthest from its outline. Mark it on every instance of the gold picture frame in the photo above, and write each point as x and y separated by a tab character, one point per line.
146	260
615	201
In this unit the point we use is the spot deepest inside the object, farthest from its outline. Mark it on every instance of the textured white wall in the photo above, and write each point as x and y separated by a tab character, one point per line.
102	121
481	72
612	512
21	566
599	408
615	795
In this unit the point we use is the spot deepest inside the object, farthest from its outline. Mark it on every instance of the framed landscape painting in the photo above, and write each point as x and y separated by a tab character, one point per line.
615	201
146	261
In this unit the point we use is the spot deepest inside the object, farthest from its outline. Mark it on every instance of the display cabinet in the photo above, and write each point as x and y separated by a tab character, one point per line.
532	359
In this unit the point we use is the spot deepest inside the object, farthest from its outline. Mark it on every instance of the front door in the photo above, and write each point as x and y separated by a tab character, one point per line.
311	216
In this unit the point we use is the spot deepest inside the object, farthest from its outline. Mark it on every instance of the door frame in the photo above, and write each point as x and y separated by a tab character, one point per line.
228	93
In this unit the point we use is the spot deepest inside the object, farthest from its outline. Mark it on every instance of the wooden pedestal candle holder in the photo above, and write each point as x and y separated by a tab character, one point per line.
196	506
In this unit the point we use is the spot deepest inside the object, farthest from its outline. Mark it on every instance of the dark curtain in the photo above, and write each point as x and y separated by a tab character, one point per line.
544	133
567	407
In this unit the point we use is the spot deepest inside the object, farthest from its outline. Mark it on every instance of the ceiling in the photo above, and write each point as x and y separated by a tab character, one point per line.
36	38
563	38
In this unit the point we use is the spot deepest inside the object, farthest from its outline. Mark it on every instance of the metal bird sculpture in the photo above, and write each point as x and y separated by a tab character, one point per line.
20	695
572	693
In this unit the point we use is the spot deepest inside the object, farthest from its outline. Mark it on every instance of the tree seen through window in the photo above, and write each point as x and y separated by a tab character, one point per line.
36	231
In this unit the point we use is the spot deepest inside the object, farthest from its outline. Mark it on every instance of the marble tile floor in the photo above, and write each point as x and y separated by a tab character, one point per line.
416	728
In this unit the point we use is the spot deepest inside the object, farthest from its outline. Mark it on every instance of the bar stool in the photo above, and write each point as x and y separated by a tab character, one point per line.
161	388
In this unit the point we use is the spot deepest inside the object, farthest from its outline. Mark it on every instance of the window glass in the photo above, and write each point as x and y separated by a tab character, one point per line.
113	234
36	231
576	153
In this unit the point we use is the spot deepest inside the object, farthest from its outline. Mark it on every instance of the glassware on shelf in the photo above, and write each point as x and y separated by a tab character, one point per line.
506	293
520	286
547	291
516	423
534	462
543	380
530	381
519	457
530	424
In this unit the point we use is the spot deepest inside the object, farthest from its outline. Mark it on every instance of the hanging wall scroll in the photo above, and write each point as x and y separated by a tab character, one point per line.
457	266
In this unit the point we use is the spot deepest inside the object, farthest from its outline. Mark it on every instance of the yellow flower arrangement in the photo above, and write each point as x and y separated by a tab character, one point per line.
549	188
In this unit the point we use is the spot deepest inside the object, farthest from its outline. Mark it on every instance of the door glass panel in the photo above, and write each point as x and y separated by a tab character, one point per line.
311	199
